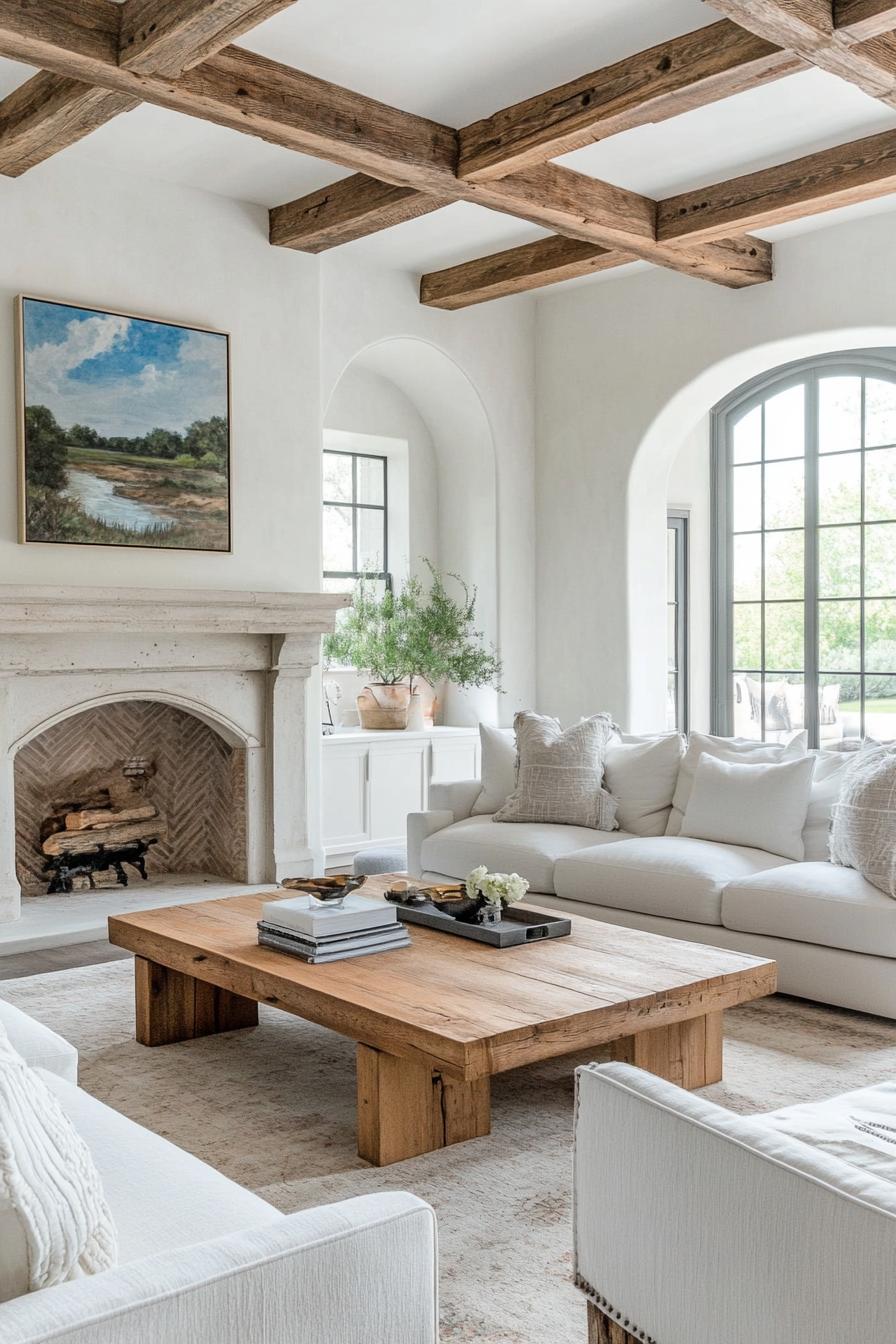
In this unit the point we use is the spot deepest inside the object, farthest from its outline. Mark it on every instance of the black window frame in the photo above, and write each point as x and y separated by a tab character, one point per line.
356	507
678	521
875	363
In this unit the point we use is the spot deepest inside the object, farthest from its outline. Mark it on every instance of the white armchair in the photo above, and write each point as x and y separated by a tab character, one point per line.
360	1272
697	1226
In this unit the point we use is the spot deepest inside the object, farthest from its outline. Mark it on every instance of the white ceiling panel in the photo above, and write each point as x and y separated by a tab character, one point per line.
780	121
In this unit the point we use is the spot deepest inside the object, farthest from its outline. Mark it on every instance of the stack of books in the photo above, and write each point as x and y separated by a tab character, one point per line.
319	933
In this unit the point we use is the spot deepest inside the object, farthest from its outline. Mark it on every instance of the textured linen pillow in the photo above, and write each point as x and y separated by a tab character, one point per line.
726	749
761	806
641	774
54	1220
498	768
863	833
559	773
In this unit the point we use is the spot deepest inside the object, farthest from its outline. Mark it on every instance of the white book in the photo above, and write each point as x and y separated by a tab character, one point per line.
289	945
320	921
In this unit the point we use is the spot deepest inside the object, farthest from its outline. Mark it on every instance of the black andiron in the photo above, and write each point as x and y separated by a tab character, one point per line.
66	867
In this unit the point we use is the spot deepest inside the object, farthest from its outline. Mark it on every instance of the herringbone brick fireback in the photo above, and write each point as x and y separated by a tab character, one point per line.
199	785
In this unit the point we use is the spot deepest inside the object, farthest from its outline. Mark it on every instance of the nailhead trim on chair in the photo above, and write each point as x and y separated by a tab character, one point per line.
609	1310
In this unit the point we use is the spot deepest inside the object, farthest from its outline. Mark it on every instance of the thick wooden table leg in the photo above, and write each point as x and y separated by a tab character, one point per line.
405	1108
175	1007
687	1053
603	1330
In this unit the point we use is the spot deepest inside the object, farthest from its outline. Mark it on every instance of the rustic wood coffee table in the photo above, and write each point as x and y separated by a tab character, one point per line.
435	1020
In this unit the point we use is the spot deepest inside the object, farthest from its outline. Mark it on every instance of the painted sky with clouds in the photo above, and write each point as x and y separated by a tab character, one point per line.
122	376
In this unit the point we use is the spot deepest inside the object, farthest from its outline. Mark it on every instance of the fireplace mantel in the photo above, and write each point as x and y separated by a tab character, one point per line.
239	661
62	611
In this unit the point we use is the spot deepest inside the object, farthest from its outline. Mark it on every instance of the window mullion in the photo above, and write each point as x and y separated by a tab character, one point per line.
811	680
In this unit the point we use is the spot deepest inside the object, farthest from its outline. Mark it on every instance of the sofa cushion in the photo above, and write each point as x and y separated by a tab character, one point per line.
814	903
670	875
38	1045
857	1127
762	806
726	749
497	768
160	1197
559	773
863	831
641	773
528	848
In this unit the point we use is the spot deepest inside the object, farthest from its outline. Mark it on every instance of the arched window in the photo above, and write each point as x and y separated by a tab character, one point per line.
804	524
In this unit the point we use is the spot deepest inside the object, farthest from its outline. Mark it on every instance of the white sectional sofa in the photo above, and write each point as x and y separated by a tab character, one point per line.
204	1261
697	1226
832	933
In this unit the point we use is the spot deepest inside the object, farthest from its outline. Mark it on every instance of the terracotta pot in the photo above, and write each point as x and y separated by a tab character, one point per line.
384	706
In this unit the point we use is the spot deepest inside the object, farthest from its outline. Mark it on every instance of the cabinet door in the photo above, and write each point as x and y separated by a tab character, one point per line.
397	787
345	814
455	758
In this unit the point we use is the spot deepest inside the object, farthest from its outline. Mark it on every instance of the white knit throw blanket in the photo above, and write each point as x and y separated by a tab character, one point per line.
48	1176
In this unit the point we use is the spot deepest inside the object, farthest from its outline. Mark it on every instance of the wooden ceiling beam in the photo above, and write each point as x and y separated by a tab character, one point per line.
737	264
167	37
516	271
807	28
863	19
691	71
862	170
577	207
260	97
52	111
82	37
351	208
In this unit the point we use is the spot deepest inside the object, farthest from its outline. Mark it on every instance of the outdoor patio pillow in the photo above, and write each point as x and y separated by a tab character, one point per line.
863	831
559	774
727	749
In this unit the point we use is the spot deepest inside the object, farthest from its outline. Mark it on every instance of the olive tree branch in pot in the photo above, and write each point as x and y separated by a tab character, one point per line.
413	633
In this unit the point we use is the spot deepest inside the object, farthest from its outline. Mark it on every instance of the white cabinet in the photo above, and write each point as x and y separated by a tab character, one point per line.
372	780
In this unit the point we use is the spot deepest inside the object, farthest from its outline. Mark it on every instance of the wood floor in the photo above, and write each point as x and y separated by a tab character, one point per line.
19	964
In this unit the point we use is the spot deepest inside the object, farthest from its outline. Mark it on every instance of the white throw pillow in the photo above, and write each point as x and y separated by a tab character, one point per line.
829	770
761	806
497	769
726	749
863	833
54	1221
641	774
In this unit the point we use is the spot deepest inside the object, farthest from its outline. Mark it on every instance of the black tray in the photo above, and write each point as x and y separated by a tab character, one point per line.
517	927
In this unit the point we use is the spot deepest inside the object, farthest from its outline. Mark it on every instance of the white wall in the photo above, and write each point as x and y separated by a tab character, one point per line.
365	403
74	232
626	370
79	233
689	488
479	369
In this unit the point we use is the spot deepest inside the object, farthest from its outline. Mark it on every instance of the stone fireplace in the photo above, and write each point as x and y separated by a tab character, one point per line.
213	687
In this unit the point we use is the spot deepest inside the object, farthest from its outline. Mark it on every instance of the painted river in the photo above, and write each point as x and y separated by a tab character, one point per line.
97	498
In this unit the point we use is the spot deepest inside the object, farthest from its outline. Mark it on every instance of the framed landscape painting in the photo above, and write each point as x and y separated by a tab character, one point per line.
124	429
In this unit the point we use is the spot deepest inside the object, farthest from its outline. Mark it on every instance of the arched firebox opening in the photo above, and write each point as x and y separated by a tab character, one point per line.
137	776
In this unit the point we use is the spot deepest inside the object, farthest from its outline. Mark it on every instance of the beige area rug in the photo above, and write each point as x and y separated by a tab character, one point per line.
273	1108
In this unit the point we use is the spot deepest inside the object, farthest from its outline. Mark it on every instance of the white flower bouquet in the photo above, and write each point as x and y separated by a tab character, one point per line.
495	888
